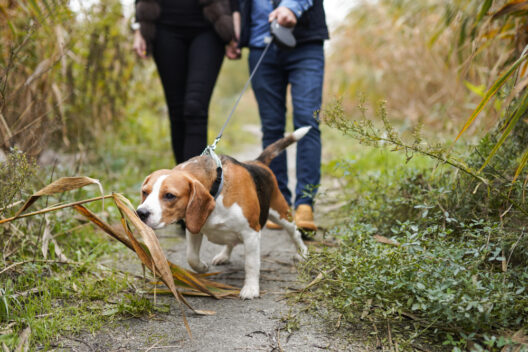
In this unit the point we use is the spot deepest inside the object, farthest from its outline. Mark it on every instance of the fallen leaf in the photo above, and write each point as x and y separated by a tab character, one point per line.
23	344
61	185
383	239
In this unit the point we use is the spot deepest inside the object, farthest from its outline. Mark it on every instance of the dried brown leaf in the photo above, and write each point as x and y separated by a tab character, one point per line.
383	239
23	344
512	8
148	235
61	185
115	233
46	237
154	259
159	261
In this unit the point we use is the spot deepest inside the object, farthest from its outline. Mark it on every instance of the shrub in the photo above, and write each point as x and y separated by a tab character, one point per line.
431	244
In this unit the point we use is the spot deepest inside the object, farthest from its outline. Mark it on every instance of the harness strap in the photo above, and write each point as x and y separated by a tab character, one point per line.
218	184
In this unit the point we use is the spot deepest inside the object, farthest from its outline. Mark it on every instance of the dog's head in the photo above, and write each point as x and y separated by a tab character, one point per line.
172	195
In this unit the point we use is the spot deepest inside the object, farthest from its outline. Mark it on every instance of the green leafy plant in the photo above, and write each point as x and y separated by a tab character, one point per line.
443	244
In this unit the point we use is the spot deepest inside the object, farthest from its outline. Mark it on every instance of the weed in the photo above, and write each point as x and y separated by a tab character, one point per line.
291	322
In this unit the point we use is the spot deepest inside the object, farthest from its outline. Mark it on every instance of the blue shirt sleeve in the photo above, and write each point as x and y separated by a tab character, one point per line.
297	6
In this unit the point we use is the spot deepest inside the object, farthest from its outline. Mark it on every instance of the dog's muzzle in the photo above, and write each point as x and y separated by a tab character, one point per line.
143	214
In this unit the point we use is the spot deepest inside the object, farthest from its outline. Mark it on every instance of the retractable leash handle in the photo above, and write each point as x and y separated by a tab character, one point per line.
283	35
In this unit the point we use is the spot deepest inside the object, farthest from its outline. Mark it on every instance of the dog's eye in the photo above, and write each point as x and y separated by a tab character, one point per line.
169	196
145	194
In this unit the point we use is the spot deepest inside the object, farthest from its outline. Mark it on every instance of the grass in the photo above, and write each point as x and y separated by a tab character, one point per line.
54	298
64	290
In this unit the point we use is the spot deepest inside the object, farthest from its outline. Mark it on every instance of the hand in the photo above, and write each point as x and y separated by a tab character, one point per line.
233	51
140	45
284	16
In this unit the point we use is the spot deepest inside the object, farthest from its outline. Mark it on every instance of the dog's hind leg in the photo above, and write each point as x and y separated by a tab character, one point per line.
291	228
280	214
223	256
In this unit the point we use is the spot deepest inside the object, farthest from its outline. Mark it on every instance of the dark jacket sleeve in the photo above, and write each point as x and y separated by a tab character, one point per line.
147	12
235	7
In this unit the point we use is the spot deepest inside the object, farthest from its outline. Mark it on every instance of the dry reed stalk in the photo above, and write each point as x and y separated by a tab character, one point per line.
386	52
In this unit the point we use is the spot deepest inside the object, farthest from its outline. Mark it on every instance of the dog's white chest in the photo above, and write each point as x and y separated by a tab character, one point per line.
224	225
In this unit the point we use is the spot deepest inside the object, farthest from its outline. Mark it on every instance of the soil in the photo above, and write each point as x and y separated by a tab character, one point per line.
255	325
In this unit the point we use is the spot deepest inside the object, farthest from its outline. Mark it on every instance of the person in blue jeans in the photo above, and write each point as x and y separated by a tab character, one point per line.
303	69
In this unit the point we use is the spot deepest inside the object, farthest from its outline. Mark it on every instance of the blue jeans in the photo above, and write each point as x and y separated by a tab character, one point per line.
303	69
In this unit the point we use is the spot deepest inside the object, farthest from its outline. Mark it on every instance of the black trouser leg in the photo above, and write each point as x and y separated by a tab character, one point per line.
172	67
188	62
206	53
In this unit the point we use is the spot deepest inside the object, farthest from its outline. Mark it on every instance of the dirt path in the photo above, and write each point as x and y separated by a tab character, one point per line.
258	325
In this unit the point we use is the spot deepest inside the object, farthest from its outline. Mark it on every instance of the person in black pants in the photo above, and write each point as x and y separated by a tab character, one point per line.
188	52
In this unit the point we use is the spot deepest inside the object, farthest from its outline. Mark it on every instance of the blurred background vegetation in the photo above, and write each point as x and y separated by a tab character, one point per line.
441	56
75	100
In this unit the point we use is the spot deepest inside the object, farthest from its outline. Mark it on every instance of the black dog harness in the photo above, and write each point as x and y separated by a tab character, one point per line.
218	184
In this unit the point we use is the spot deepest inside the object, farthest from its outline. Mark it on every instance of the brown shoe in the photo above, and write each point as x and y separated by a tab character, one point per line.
273	226
304	218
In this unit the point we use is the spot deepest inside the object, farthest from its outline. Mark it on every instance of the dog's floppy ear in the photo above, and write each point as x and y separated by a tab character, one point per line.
146	180
199	207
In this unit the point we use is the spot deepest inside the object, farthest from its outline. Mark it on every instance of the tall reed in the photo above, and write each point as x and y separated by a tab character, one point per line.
63	74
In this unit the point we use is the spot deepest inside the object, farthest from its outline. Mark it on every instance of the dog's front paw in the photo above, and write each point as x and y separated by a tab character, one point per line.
301	257
249	292
304	251
220	259
199	266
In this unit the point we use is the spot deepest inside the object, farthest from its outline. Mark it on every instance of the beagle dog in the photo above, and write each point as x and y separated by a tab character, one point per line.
228	204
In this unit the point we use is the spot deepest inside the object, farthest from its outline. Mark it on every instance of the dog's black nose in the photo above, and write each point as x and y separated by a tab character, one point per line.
143	214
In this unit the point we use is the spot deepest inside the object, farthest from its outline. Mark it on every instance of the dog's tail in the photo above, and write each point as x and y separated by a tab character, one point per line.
274	149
